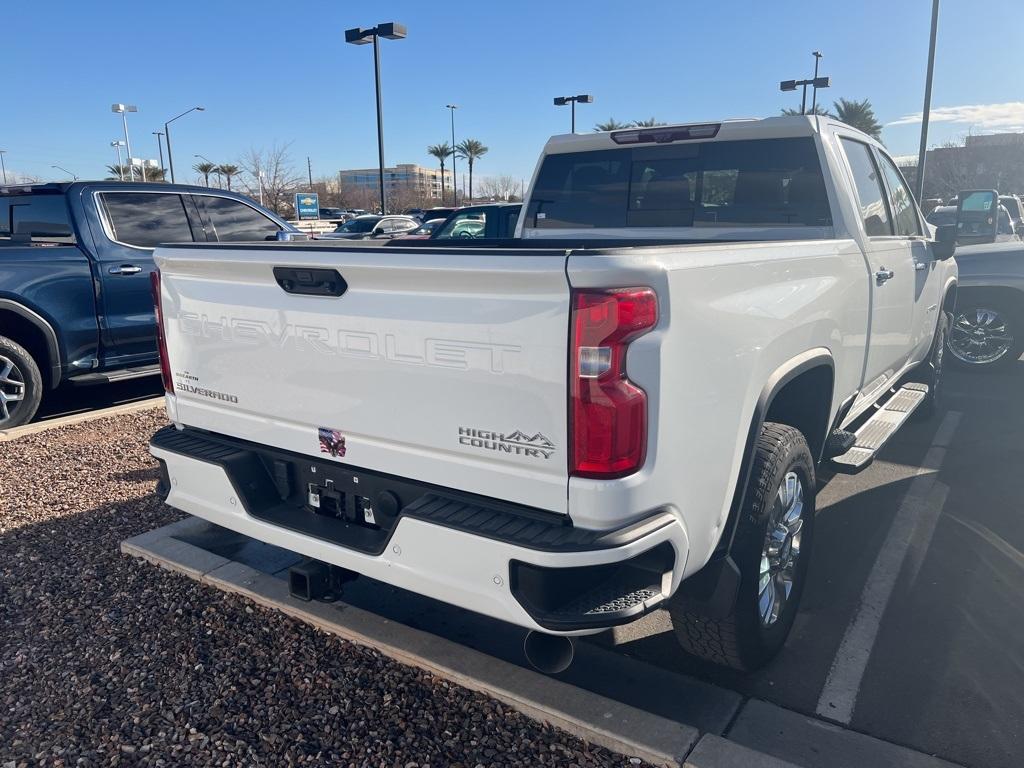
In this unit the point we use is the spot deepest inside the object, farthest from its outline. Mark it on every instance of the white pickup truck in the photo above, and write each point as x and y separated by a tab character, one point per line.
624	408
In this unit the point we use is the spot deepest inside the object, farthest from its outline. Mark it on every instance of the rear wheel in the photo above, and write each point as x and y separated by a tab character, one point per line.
771	549
21	385
930	372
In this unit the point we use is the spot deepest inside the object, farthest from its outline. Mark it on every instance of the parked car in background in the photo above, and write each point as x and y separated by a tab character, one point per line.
370	226
1015	208
333	213
429	214
75	260
423	231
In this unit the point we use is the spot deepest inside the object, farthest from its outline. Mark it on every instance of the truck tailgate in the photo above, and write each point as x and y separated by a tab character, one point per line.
449	368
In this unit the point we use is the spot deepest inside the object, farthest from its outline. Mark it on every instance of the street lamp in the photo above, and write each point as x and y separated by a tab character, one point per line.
792	85
583	98
160	146
120	166
455	188
69	173
2	166
167	136
359	36
124	109
814	91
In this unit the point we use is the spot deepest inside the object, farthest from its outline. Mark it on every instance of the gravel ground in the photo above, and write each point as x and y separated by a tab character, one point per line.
105	660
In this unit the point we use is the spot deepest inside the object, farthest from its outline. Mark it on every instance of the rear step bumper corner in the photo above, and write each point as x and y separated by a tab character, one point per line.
525	567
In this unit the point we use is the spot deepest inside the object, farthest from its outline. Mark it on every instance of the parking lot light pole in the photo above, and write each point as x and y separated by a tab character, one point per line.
455	189
167	136
124	109
69	173
160	147
926	112
2	166
583	98
359	36
120	166
792	85
814	90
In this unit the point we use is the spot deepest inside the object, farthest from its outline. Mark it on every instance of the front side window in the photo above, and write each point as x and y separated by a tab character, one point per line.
146	220
755	183
234	221
868	184
901	201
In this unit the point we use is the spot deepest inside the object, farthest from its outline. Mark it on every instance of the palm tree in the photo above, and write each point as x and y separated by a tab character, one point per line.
206	169
818	110
648	123
118	172
441	152
470	150
860	115
611	124
227	171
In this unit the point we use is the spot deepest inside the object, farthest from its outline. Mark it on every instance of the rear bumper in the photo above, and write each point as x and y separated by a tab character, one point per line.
530	568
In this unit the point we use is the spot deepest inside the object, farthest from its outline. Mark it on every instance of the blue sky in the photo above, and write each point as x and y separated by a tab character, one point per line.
280	72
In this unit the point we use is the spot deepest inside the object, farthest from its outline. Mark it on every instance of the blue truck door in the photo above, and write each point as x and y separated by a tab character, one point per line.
135	222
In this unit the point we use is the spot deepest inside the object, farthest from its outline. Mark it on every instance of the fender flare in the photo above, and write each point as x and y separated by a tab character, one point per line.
49	334
715	585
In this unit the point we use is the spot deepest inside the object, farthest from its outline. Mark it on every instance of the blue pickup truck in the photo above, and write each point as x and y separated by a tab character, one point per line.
75	259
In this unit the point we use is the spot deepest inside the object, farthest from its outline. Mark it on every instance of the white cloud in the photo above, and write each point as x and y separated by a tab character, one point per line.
1008	116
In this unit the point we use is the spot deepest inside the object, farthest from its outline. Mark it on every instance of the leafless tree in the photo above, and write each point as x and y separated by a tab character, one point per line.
273	167
498	187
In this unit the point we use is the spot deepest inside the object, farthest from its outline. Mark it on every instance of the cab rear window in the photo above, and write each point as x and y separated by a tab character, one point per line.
756	183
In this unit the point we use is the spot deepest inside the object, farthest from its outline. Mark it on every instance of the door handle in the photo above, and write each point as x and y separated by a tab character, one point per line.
884	274
125	269
920	266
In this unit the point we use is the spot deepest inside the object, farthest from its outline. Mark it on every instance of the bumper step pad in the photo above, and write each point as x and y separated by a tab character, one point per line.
877	430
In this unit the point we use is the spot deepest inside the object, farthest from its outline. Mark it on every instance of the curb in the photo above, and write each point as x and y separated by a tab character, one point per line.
78	418
596	719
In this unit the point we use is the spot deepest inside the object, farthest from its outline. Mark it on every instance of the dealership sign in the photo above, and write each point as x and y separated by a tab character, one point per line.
307	206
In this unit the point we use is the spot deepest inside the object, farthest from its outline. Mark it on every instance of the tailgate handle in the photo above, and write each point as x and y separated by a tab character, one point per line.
309	281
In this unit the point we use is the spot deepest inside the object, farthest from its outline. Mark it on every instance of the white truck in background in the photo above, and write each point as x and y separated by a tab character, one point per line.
622	409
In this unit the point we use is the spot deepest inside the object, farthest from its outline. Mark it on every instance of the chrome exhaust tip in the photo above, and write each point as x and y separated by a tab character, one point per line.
549	654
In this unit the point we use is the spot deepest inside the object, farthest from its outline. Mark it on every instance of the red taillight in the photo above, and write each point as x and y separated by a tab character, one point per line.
161	342
608	413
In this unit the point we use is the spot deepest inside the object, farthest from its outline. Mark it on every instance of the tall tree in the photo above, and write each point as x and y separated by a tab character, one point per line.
611	124
227	170
470	150
441	152
858	114
206	169
270	170
818	110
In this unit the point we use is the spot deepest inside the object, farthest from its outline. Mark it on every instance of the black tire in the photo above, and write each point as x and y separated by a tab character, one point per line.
980	308
742	640
19	375
930	372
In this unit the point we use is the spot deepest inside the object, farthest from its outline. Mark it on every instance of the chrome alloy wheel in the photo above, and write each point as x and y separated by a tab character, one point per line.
980	336
12	388
781	549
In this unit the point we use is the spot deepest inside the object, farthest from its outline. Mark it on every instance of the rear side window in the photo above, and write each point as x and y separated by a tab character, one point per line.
868	183
147	219
757	183
39	216
234	221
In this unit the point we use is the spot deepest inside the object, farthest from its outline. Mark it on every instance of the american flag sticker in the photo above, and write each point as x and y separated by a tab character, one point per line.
332	442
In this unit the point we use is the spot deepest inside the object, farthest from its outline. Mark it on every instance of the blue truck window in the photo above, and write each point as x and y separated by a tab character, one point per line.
146	219
39	216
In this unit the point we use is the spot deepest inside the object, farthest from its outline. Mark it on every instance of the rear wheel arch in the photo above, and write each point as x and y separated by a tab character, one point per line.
33	332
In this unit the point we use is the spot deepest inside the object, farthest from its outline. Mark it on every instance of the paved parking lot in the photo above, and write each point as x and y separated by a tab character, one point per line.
910	627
